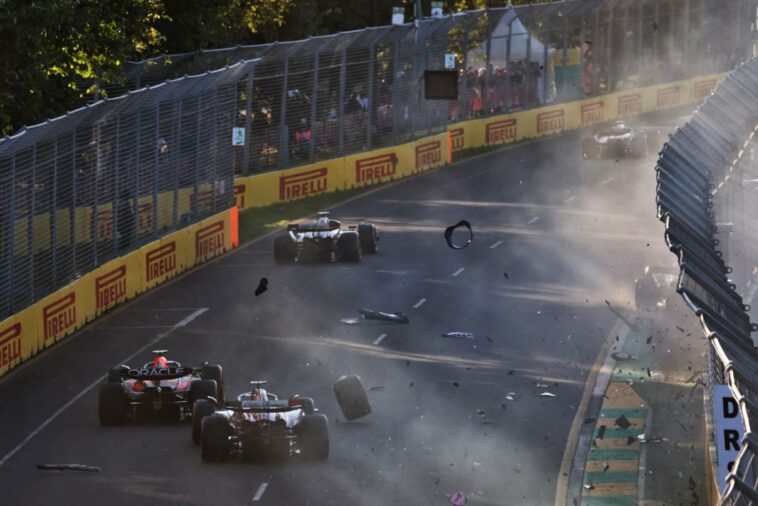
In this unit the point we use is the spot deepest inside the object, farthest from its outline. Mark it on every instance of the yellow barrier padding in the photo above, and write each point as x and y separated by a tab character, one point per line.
429	153
211	237
18	339
64	311
379	166
111	285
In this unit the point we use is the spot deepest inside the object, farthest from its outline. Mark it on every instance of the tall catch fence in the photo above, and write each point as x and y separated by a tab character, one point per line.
88	186
708	199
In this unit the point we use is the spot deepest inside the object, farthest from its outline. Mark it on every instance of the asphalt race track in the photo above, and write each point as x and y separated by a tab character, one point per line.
555	238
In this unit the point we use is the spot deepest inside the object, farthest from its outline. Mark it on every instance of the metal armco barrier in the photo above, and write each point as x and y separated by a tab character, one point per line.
708	200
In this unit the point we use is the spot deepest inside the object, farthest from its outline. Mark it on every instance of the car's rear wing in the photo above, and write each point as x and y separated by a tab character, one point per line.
263	406
308	228
157	373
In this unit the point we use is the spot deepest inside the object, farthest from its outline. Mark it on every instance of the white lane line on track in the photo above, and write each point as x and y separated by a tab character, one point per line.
99	380
379	339
569	199
456	273
607	181
419	303
260	491
533	220
498	243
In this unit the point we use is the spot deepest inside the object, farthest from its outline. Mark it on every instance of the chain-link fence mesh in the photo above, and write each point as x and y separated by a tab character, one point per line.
708	198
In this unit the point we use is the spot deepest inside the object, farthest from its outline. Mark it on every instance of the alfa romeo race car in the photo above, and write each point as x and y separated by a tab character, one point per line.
325	240
161	387
259	425
619	140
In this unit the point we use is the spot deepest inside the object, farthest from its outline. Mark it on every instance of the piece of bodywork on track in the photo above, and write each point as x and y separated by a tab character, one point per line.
69	467
259	425
396	317
351	396
325	240
459	335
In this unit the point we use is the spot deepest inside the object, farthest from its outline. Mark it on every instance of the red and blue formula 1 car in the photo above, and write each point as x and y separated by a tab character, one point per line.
258	426
161	387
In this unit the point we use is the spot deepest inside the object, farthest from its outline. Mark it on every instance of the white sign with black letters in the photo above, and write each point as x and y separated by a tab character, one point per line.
238	136
729	430
450	61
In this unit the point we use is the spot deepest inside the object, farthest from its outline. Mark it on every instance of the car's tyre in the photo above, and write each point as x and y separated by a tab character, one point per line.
202	389
369	238
307	404
216	373
214	438
114	375
351	396
313	437
111	404
200	409
285	249
349	247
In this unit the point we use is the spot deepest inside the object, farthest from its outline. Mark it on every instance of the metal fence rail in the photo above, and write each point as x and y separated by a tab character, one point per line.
708	200
85	187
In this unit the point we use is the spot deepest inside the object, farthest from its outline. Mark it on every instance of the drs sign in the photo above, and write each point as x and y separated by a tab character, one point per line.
729	430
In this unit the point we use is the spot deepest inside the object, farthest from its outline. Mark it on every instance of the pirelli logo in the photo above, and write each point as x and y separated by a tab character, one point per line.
204	198
701	89
104	224
375	168
428	154
303	184
553	121
209	240
501	131
110	288
160	261
59	316
239	195
668	97
10	345
145	216
457	138
630	105
592	113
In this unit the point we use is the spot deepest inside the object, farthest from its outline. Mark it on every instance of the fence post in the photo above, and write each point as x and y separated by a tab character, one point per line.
544	60
11	235
135	205
214	150
609	52
341	126
248	123
174	148
508	69
640	38
686	48
370	108
656	32
157	168
93	221
487	57
31	220
116	196
74	197
195	189
395	92
54	217
314	111
526	77
284	152
565	38
464	83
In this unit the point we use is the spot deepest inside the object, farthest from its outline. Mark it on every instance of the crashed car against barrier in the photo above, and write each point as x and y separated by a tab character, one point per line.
258	425
161	387
325	240
620	140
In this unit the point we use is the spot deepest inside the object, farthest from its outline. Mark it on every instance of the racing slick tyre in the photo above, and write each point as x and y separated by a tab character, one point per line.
114	375
215	444
285	249
111	404
203	389
308	406
313	435
200	409
351	396
369	238
349	247
216	373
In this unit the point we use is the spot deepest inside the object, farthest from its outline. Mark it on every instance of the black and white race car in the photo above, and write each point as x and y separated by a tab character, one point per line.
162	388
325	240
258	425
619	140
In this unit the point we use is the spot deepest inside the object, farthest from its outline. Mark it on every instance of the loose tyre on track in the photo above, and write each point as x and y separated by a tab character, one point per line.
352	398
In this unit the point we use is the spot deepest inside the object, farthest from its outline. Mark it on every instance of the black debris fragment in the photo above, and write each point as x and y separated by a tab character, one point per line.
451	229
370	314
630	440
623	357
69	467
506	275
373	389
622	422
456	384
262	286
488	338
601	432
459	335
649	340
411	384
589	420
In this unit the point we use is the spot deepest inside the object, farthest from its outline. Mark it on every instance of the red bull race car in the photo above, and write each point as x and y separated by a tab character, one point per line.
258	425
162	388
325	240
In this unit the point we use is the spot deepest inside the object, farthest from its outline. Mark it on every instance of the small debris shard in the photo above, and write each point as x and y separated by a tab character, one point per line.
605	466
69	467
547	394
589	486
458	499
630	440
541	385
459	335
622	422
373	389
456	384
649	340
397	317
262	286
351	321
623	357
512	396
601	432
